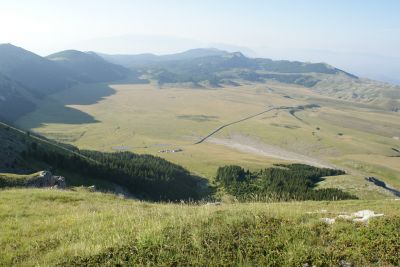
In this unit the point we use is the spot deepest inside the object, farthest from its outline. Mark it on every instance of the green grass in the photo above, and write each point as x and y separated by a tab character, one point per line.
12	179
146	119
42	227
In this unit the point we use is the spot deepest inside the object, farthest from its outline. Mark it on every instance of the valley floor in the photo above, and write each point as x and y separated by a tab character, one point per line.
142	118
81	228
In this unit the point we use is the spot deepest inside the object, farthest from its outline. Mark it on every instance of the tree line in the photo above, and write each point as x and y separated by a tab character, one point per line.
279	183
145	176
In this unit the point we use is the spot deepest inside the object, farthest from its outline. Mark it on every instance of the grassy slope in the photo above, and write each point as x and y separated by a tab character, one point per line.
81	227
11	179
149	116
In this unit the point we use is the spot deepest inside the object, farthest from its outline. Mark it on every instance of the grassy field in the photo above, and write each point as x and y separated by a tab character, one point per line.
79	228
146	119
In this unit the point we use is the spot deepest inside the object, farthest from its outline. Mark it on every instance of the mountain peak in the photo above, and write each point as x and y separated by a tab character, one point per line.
9	45
236	54
88	66
8	50
196	53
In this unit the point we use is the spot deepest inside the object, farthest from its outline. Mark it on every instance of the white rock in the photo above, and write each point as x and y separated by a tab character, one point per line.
328	220
365	215
213	203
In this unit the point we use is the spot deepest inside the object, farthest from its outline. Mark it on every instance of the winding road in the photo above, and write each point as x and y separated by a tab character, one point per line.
238	121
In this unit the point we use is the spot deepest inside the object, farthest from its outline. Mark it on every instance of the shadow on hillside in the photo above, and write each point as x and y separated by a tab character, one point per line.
382	184
57	108
67	115
85	94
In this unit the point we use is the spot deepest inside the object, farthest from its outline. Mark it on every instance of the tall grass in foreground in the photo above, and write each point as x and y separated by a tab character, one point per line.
47	227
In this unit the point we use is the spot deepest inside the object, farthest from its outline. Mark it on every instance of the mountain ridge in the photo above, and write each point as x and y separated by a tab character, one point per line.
89	67
31	77
40	75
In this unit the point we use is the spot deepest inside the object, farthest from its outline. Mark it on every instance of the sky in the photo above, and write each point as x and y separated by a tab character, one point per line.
265	27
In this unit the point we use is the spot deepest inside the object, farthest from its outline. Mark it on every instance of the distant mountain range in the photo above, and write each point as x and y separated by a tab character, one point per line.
26	77
216	68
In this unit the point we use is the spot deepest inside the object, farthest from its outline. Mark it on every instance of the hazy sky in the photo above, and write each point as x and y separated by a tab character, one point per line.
363	26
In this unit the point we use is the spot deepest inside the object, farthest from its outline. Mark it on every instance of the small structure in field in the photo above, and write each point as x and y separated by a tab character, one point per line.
121	148
175	150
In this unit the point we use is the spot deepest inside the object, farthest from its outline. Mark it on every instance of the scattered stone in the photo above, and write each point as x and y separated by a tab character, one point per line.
365	215
317	212
213	203
343	263
46	179
92	188
328	220
359	216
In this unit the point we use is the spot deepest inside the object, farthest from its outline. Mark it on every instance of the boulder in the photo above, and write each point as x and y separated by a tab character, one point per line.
46	179
92	188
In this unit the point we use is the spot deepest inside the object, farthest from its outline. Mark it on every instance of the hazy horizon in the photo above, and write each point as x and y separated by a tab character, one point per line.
359	36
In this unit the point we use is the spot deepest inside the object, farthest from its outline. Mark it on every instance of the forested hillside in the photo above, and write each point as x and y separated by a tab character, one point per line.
279	183
144	176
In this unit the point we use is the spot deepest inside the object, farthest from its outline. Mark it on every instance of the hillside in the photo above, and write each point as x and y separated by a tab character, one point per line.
89	67
25	77
144	176
15	100
39	75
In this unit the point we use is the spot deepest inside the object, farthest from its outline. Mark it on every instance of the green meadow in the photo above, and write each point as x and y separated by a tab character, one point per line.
145	118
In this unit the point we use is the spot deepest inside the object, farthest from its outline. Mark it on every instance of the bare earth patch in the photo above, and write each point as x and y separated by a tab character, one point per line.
253	146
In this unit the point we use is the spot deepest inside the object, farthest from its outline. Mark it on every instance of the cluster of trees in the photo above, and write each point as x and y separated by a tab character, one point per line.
279	183
145	176
300	79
